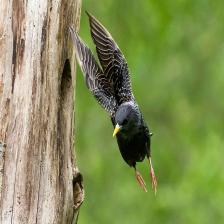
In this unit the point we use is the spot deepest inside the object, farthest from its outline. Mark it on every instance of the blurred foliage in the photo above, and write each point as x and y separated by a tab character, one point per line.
175	52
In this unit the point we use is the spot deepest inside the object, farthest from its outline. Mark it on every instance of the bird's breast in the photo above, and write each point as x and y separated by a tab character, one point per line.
133	147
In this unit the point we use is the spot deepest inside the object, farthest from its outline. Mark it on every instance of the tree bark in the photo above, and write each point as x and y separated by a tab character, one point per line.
39	179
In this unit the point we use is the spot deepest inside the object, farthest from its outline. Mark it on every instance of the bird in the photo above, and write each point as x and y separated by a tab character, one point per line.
110	84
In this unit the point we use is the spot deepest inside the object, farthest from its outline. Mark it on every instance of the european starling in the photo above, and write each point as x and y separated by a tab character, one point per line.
111	86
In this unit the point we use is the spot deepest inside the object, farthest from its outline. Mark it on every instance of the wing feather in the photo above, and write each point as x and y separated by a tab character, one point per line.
96	81
112	61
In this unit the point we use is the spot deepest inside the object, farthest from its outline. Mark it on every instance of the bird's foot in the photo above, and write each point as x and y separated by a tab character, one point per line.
153	177
140	180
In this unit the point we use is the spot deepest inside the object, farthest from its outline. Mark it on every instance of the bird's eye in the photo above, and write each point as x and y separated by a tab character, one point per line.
125	121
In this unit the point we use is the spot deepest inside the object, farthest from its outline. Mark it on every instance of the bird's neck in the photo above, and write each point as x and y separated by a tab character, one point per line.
132	130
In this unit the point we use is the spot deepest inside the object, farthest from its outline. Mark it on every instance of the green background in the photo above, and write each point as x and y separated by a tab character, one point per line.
175	52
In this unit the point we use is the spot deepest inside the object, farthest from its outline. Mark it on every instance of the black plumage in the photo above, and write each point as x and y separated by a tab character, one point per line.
111	86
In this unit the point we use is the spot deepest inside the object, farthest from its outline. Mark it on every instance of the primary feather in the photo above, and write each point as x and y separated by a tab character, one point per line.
95	78
112	60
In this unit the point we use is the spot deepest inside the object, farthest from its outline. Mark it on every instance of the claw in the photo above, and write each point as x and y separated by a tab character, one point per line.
140	180
153	177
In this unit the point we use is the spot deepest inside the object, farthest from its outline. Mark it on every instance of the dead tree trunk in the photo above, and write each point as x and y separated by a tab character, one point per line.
39	181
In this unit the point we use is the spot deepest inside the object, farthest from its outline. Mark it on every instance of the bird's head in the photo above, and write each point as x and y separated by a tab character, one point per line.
127	118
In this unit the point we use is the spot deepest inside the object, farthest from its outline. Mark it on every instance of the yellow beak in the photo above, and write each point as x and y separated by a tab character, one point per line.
116	129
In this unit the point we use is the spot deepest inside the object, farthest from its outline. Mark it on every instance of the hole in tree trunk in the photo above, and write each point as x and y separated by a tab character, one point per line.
65	110
64	132
66	85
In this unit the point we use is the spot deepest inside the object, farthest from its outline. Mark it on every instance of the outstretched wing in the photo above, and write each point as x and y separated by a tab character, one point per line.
95	78
112	61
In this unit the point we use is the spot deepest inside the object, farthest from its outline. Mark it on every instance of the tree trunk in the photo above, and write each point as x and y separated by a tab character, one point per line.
39	180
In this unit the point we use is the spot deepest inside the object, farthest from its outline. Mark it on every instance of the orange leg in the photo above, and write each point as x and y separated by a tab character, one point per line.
153	176
140	180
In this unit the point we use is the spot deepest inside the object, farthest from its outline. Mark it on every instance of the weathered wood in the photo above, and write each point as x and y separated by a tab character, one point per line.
40	180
